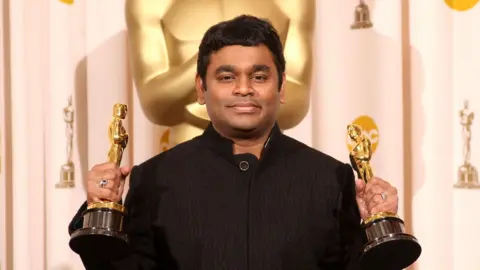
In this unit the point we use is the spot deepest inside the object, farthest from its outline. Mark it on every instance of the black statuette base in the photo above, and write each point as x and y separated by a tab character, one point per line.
389	247
101	236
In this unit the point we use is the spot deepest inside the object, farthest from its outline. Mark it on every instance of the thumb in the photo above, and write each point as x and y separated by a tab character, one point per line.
125	171
360	191
360	187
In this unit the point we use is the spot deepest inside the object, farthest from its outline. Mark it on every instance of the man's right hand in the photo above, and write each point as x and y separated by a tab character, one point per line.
115	181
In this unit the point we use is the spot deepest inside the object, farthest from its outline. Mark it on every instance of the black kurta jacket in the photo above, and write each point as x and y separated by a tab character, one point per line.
198	206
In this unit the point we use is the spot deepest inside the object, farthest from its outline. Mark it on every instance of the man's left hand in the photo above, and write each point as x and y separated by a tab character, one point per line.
376	196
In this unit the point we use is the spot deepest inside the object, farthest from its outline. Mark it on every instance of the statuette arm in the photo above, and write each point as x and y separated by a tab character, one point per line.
161	85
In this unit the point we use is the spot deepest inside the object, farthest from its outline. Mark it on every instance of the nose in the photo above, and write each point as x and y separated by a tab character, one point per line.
243	87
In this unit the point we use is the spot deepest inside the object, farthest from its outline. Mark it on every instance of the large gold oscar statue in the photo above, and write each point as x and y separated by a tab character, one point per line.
163	42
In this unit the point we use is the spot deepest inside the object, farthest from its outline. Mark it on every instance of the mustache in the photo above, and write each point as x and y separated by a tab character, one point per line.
243	102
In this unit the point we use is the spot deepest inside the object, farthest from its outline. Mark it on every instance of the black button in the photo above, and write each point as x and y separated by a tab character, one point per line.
244	165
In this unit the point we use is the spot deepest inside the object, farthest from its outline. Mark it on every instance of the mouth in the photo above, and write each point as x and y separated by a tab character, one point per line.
244	107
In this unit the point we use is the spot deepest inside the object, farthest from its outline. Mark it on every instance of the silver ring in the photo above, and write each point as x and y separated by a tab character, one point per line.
103	183
384	196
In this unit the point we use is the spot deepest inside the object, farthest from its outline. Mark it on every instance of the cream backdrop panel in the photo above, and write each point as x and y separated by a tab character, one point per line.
466	85
3	109
408	75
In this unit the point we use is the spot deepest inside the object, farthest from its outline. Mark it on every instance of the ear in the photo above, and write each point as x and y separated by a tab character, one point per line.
282	89
200	90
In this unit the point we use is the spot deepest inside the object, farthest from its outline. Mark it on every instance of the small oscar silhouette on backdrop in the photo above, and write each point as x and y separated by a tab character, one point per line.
362	16
67	171
467	173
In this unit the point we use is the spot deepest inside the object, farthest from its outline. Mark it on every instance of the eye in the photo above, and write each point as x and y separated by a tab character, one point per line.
260	78
226	78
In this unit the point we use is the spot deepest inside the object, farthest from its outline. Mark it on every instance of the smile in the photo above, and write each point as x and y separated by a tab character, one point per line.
244	108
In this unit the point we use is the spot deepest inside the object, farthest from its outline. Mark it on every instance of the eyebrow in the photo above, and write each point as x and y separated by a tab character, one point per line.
225	68
230	68
257	68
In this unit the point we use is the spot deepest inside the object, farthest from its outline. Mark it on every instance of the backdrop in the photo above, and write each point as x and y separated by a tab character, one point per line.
405	80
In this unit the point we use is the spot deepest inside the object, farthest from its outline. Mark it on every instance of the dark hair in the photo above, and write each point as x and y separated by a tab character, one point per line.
244	30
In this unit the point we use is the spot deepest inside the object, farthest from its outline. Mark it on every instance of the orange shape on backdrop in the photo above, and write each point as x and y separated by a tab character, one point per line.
461	5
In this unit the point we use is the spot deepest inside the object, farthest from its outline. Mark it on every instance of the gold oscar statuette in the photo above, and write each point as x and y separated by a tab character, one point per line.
362	16
67	171
467	173
388	245
102	232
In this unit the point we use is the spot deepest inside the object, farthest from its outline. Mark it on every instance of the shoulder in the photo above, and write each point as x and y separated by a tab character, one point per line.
165	161
324	166
173	155
303	151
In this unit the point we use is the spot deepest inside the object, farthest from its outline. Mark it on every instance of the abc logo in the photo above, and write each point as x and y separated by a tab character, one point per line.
370	131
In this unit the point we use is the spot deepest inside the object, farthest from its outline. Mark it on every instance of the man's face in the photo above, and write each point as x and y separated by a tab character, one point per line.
242	88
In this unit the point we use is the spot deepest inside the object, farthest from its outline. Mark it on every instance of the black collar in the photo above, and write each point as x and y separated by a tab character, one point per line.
274	147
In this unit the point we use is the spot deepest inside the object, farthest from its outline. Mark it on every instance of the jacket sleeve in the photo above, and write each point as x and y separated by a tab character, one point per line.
137	224
346	244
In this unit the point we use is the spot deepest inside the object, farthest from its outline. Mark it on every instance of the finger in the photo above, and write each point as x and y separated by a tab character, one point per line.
107	194
103	166
376	185
390	203
93	176
376	181
392	191
106	171
93	190
362	208
360	194
116	189
364	214
120	192
360	186
385	207
373	192
374	202
111	185
121	188
94	199
118	177
125	171
109	174
112	177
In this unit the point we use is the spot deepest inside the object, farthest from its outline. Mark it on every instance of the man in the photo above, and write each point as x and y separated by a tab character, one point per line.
242	195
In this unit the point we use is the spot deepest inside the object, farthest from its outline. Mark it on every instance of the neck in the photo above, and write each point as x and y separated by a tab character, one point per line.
252	144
